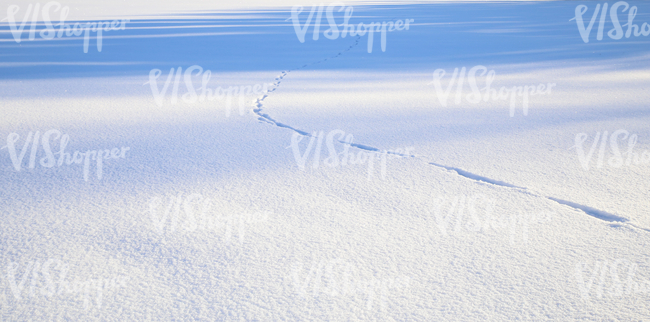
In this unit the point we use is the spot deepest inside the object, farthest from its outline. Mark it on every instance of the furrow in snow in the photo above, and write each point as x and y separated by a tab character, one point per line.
599	214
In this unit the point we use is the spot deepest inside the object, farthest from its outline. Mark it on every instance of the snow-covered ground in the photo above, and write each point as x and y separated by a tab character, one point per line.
344	184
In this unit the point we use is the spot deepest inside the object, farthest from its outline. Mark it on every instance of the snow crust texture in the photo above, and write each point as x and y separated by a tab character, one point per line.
357	161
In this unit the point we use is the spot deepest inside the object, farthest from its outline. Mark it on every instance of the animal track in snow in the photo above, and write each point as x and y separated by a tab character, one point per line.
596	213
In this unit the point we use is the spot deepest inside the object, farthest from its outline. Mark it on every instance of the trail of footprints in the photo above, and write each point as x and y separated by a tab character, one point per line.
596	213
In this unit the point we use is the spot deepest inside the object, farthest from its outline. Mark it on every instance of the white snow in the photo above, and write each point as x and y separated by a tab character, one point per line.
219	209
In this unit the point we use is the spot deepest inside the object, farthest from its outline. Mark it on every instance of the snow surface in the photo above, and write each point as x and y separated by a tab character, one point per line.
466	213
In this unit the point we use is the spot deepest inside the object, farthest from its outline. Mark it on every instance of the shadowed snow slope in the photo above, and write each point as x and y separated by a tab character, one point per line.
343	186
